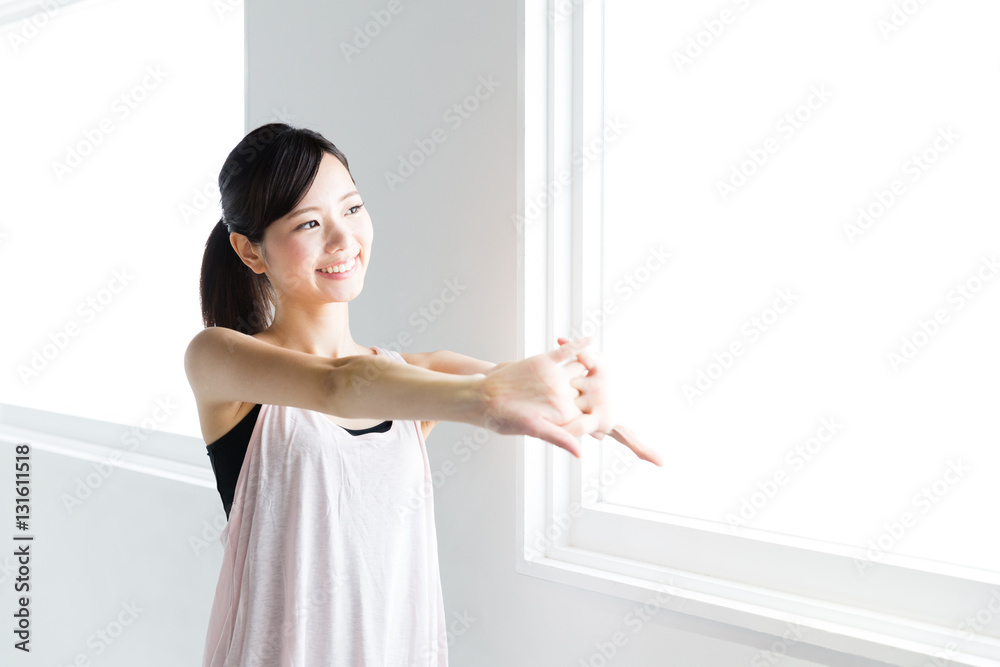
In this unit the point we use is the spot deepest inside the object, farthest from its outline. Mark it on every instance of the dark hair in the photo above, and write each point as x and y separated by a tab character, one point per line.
262	180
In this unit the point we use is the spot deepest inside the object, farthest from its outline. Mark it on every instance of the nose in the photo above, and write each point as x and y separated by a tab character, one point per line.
338	233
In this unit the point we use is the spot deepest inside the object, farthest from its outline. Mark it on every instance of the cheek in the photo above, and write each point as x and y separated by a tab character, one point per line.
291	257
367	233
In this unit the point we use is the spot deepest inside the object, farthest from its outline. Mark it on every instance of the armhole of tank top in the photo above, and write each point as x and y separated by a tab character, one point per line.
241	476
213	446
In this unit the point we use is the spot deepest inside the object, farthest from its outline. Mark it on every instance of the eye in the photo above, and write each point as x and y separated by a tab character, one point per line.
303	225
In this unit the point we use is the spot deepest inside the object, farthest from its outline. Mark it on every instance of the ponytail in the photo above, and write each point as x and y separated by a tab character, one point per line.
232	295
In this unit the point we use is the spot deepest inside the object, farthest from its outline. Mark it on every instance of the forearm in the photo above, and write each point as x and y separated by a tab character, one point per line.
373	387
447	361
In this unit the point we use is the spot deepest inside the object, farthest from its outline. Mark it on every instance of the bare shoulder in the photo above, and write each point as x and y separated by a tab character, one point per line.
231	372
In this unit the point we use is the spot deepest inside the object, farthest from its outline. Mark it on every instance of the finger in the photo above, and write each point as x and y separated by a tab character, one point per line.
582	425
584	382
569	350
574	369
627	437
583	400
590	360
556	435
592	397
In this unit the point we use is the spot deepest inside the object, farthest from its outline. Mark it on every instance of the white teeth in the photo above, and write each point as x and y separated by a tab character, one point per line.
339	268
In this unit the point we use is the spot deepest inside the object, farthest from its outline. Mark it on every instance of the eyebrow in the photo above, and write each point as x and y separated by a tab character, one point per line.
316	208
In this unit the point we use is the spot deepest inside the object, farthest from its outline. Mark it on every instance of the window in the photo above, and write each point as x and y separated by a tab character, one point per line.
119	118
791	210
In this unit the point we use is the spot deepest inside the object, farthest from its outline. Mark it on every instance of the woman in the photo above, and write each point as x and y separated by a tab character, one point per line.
317	442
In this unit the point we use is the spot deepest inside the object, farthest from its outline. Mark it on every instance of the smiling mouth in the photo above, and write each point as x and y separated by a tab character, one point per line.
343	267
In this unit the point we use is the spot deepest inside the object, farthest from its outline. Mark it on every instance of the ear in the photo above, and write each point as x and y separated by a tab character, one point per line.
247	252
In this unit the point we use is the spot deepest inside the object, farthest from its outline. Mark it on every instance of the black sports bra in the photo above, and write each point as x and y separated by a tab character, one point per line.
227	453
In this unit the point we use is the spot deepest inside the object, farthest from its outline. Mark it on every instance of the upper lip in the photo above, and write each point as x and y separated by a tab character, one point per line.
339	261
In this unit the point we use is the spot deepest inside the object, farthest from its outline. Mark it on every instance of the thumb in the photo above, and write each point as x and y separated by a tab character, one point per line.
557	436
569	350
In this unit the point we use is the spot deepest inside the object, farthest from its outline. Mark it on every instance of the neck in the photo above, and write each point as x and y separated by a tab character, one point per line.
324	332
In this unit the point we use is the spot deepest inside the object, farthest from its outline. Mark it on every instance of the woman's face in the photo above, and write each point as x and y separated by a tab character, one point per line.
329	228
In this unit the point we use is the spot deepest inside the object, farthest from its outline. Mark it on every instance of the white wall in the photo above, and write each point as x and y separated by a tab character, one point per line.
451	220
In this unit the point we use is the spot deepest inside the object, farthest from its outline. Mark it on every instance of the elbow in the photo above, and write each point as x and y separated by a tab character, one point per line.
344	375
336	380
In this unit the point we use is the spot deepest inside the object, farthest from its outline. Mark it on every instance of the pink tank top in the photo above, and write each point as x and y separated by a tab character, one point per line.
330	552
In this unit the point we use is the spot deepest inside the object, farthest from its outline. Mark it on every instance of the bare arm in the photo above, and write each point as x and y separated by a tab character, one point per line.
446	361
224	366
365	386
530	397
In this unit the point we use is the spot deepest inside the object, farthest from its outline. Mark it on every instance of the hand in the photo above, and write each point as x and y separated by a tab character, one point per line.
594	400
535	397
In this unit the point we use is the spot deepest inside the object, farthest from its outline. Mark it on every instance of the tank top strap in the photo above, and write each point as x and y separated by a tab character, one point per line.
391	354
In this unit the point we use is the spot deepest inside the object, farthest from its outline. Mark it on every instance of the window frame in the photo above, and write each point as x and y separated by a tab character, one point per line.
900	612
